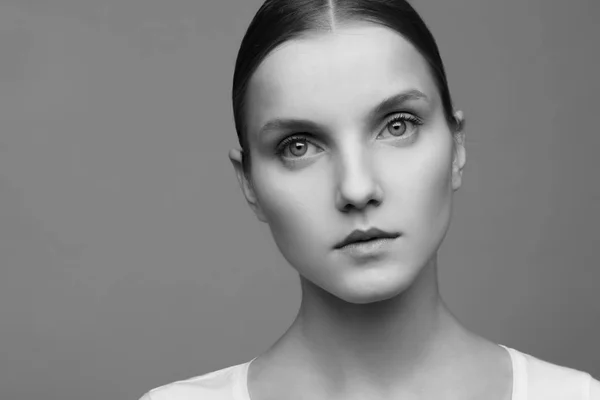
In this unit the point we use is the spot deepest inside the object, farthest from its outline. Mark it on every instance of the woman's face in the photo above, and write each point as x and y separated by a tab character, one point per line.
347	132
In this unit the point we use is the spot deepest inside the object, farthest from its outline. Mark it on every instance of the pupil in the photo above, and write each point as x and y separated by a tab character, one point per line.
298	148
398	128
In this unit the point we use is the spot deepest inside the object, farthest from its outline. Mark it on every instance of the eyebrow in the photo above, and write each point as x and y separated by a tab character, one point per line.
398	99
294	124
307	125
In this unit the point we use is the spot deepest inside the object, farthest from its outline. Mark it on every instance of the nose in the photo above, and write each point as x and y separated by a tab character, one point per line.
357	185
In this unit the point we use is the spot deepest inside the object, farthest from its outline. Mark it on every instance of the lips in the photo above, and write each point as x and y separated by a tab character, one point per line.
362	236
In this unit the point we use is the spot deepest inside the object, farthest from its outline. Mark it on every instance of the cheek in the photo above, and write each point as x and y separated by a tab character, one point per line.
294	208
434	189
426	189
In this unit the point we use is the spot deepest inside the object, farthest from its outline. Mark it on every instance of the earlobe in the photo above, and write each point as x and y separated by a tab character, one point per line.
459	159
236	157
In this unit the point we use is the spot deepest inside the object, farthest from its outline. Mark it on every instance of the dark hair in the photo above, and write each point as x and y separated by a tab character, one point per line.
278	21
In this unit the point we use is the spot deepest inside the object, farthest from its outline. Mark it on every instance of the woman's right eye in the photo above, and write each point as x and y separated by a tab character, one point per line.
295	147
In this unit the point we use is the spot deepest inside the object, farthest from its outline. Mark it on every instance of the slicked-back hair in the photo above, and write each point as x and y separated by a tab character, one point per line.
278	21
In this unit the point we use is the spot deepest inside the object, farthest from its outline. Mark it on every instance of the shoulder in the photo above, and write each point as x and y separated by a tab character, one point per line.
594	389
223	384
541	379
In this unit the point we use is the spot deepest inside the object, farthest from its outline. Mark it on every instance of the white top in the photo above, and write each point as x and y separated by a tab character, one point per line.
533	379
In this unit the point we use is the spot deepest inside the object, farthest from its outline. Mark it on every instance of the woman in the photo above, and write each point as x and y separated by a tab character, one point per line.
351	151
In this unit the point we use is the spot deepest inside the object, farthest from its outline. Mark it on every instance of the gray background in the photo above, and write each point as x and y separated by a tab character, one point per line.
129	258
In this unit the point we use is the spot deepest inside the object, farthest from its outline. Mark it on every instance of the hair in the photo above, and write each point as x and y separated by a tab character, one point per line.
278	21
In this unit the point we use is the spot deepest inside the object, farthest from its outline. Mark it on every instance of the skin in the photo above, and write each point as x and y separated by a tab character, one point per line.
371	327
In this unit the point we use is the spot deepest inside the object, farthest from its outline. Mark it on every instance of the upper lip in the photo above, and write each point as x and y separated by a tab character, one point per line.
361	235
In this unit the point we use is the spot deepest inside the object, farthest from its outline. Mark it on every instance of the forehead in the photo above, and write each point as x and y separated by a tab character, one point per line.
326	75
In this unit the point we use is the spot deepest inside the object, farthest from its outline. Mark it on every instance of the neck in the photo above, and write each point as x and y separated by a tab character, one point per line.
377	342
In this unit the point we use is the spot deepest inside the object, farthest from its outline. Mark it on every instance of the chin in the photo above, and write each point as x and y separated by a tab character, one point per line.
375	286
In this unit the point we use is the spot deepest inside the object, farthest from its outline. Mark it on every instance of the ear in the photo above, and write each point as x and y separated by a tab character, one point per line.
460	157
236	156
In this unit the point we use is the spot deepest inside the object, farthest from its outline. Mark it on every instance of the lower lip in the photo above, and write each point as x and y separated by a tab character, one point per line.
366	249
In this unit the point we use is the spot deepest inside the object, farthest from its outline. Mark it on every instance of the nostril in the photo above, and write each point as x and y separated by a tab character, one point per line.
359	205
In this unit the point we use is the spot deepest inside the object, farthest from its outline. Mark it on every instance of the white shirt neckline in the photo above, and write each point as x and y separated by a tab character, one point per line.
519	377
519	374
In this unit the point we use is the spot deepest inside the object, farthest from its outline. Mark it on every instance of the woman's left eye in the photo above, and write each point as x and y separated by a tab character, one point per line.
402	126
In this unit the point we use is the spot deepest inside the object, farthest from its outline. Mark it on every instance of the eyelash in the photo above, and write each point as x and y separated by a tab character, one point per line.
291	139
404	117
399	117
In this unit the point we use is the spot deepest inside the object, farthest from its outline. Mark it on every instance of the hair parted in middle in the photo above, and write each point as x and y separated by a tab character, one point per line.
278	21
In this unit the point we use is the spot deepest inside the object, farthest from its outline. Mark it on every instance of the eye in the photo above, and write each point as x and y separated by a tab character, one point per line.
402	125
296	147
